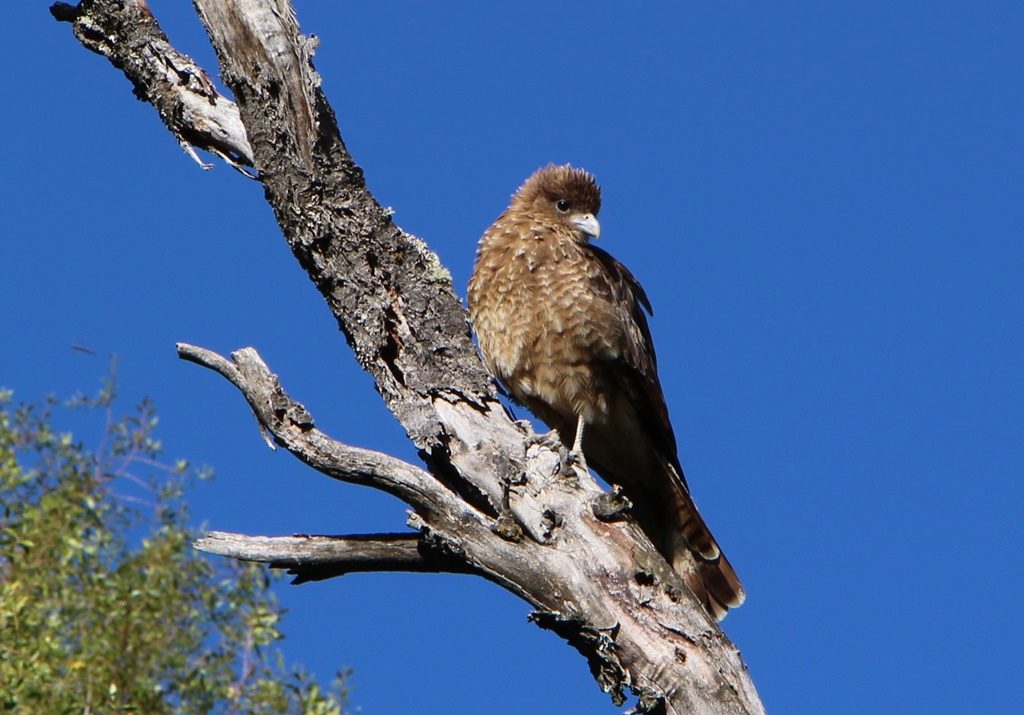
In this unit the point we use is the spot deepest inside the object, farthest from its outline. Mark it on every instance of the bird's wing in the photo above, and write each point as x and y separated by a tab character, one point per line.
697	556
639	365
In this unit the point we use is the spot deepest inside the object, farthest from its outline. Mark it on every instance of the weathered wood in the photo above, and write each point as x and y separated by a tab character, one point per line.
190	106
595	580
493	500
311	557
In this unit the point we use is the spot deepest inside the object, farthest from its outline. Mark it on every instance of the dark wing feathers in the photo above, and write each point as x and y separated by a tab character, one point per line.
624	290
714	580
640	363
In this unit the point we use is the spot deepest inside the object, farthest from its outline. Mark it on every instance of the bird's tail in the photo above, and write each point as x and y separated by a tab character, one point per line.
696	556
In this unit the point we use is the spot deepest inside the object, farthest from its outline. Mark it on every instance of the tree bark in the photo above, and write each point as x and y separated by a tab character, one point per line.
311	557
493	500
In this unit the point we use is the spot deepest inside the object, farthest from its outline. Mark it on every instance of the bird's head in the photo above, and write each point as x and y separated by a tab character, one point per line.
562	196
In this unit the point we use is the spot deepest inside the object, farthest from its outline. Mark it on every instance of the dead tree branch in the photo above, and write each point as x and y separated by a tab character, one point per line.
291	426
492	501
188	102
311	557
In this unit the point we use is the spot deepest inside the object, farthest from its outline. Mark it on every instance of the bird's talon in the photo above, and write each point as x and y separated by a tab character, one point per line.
577	459
550	440
524	426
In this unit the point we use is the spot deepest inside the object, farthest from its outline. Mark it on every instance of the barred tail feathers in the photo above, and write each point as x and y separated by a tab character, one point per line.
696	556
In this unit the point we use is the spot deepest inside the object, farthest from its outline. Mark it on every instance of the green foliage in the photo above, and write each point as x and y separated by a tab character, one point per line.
104	606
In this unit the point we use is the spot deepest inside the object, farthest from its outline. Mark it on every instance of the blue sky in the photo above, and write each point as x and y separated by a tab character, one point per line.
823	201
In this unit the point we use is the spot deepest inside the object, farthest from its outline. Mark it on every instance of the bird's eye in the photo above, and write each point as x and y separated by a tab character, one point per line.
562	205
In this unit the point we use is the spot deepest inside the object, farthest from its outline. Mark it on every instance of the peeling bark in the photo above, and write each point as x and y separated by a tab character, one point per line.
492	500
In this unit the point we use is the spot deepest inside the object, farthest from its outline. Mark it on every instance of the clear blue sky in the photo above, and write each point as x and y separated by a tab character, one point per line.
824	202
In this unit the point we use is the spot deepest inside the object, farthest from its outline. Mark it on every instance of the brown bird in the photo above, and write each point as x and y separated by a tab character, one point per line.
561	324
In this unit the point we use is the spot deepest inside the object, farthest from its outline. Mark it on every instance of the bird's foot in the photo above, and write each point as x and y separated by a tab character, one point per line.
577	458
550	440
525	427
567	459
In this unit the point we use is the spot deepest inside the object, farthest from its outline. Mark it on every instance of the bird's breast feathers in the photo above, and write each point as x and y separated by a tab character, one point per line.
543	330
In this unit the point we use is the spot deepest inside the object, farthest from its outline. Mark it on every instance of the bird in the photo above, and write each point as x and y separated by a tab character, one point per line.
563	327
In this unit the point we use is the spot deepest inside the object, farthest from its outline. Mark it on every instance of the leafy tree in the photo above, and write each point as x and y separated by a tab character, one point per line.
104	606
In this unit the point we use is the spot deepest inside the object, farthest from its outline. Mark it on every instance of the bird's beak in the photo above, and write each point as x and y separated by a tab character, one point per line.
588	224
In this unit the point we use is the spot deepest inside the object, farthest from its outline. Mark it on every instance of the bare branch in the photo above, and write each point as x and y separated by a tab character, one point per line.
292	427
317	557
126	33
